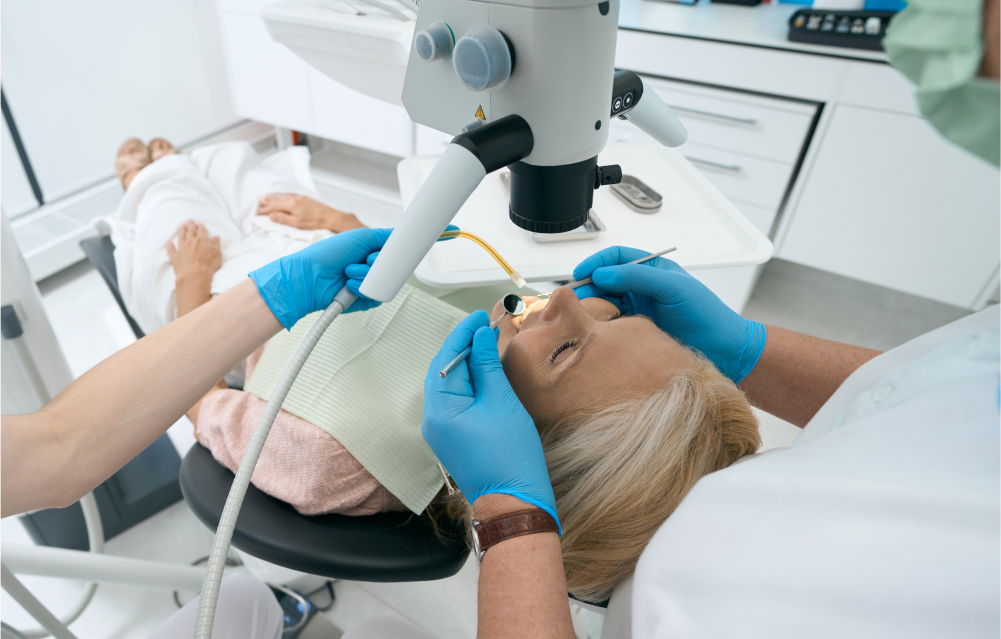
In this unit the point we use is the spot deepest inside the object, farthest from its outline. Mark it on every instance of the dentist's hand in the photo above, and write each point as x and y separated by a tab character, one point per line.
306	281
678	303
477	426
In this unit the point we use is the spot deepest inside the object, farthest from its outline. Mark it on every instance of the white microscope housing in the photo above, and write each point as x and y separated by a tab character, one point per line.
528	84
563	55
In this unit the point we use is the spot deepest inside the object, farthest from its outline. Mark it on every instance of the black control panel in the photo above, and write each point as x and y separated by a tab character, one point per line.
627	89
851	29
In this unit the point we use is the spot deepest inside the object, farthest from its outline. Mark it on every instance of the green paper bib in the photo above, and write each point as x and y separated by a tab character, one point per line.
364	381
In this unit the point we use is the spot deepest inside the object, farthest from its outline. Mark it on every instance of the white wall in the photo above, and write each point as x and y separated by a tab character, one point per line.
14	187
81	77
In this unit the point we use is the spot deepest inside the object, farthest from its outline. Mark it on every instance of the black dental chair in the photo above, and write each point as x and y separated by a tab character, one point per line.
386	547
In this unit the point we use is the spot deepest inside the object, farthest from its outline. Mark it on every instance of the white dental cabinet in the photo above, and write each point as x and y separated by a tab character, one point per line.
822	149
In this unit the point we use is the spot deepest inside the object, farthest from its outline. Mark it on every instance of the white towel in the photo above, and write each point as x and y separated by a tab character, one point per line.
218	186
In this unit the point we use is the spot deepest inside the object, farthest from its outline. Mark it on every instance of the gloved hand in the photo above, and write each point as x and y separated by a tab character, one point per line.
359	271
477	426
306	281
679	304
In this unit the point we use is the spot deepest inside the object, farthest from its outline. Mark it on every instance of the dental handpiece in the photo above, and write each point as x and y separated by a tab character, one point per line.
514	309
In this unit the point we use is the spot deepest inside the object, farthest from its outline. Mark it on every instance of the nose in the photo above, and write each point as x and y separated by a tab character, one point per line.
562	306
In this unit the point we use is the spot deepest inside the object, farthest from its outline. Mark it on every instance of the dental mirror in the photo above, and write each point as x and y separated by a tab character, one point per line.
513	304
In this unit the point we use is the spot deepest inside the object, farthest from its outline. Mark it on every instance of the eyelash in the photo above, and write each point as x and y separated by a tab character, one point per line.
559	349
565	345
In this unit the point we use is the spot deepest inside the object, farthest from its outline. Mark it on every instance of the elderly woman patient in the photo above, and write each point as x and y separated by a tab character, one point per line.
629	419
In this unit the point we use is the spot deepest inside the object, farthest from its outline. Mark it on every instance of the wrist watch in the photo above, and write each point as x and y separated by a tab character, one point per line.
523	522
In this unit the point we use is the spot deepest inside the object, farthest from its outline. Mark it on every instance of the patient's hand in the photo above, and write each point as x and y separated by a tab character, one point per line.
195	259
196	253
302	212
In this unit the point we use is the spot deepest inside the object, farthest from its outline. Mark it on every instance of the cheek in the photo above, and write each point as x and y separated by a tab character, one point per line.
521	375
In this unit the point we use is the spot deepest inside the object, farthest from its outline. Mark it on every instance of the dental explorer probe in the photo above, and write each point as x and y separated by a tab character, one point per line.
514	304
572	285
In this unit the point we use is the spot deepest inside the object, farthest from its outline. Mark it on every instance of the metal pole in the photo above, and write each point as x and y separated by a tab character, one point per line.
26	559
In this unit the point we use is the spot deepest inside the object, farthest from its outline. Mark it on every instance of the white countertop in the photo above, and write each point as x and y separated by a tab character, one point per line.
765	25
709	231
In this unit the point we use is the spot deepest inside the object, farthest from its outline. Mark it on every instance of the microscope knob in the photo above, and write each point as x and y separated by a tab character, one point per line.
483	59
435	42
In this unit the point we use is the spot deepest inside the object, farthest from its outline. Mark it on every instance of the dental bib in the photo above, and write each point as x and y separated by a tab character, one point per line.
364	382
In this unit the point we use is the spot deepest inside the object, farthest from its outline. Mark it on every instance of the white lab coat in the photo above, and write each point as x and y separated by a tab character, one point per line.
881	520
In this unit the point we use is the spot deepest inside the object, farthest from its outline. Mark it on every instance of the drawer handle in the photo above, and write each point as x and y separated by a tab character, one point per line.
735	168
746	119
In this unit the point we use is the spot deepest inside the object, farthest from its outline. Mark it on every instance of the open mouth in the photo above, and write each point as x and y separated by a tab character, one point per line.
534	305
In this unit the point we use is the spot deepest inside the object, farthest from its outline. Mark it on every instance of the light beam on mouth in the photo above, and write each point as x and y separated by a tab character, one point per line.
534	306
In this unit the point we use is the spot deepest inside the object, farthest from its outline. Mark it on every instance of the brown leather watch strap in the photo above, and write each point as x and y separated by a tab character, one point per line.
524	522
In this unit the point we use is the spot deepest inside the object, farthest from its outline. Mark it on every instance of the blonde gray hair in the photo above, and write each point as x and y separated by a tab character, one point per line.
619	472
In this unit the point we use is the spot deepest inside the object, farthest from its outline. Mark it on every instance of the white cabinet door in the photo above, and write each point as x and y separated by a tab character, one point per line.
889	202
763	219
344	115
269	83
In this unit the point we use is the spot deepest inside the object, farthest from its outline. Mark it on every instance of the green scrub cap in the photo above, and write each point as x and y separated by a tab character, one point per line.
938	45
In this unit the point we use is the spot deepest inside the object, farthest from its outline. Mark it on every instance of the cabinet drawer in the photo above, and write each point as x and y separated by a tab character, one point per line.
734	121
739	177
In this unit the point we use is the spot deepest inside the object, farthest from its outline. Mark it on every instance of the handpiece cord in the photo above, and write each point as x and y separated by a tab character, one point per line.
230	512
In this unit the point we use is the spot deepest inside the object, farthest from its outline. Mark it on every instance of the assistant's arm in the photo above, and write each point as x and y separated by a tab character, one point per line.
53	457
788	374
796	374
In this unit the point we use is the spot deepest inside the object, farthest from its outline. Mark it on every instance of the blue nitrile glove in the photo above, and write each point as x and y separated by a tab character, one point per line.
679	304
306	281
477	426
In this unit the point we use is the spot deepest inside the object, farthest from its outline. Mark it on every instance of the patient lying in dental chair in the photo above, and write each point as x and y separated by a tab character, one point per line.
628	425
259	210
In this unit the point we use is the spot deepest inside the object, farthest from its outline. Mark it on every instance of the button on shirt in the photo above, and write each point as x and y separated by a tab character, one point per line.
881	520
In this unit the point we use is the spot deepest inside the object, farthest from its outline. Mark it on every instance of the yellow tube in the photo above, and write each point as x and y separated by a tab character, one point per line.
513	274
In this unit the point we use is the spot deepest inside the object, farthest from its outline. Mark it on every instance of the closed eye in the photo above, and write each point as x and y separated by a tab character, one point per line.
614	316
559	349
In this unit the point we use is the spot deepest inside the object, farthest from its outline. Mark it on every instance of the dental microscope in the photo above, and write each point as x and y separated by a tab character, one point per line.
527	84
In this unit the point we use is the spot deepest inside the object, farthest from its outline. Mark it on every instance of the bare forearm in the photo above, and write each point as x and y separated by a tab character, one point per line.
192	291
798	373
102	420
522	590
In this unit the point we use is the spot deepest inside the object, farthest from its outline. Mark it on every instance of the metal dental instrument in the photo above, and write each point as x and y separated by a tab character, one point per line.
514	304
587	280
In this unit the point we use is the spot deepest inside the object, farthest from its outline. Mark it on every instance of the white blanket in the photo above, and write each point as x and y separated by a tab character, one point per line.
218	186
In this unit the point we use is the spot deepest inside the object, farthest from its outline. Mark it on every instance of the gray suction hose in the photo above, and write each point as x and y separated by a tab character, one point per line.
227	522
